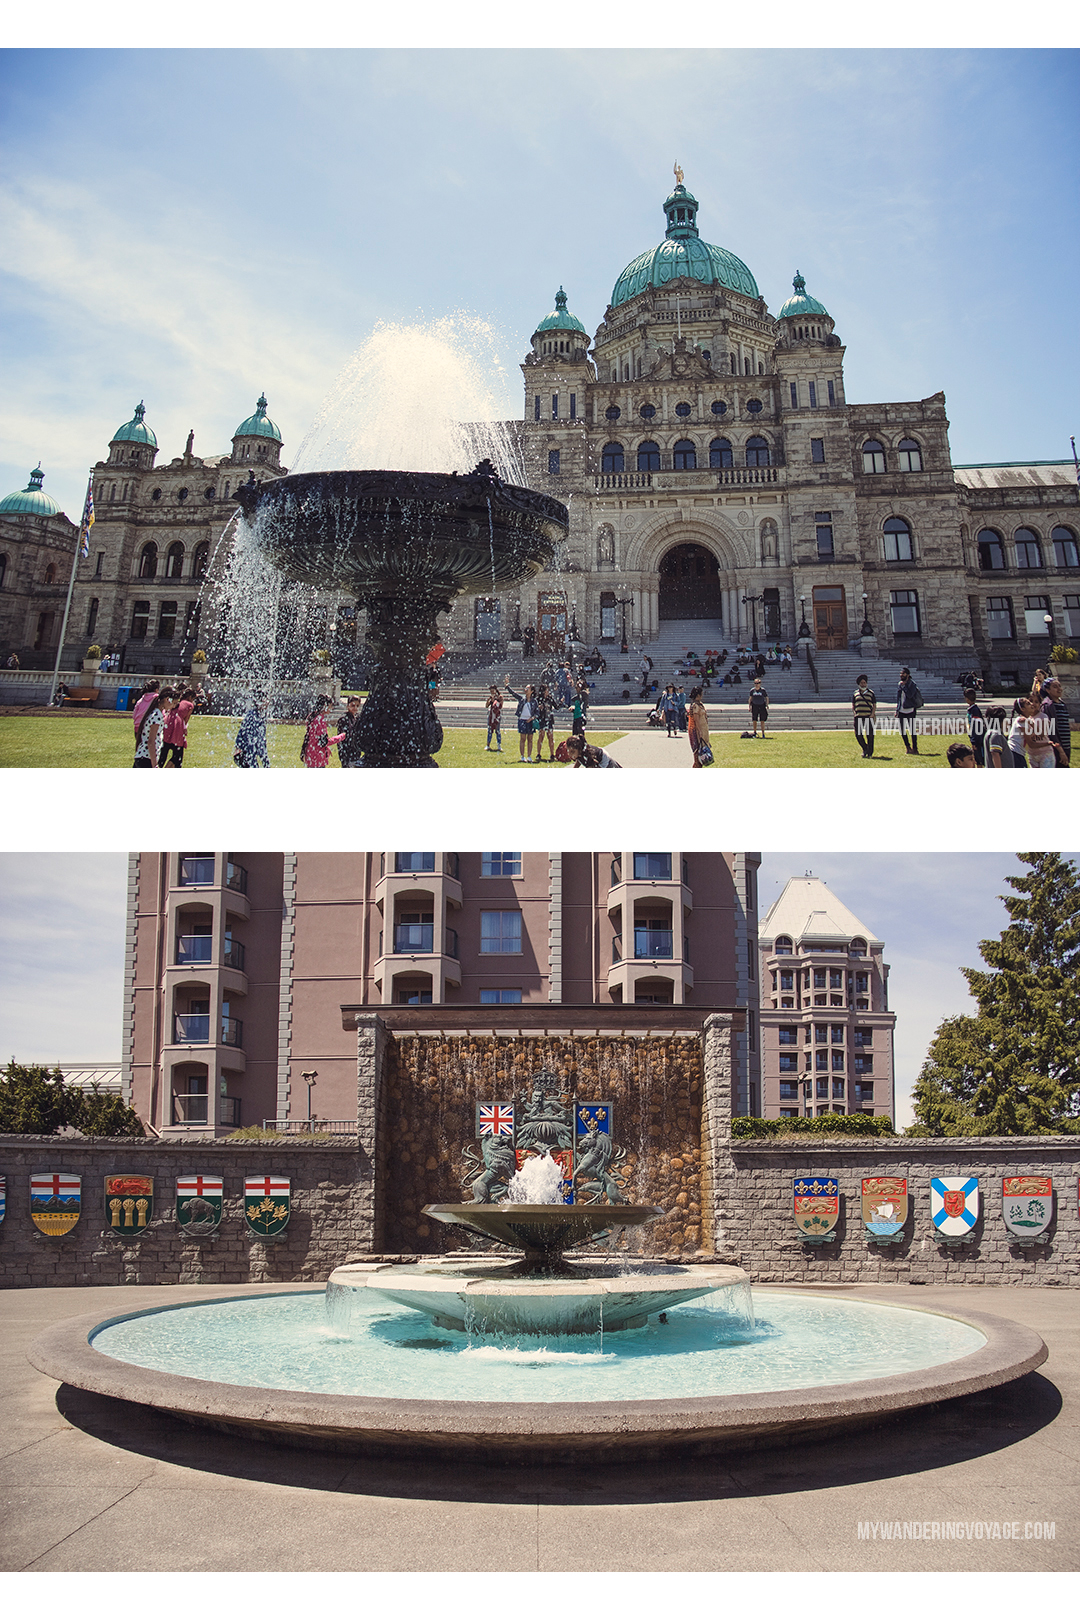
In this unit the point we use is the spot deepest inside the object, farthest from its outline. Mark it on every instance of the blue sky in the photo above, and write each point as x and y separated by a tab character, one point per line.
190	227
62	942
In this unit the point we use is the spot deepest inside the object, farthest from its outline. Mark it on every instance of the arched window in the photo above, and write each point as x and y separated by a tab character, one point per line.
50	574
858	947
611	458
3	570
1028	550
991	550
648	456
734	364
174	560
148	561
873	457
747	368
684	456
202	558
757	451
783	945
908	455
720	453
897	540
1066	554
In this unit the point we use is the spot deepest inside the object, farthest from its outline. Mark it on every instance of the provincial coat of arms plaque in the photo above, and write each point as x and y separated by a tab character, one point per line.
199	1203
545	1118
129	1204
817	1208
954	1207
1027	1207
885	1208
267	1204
55	1201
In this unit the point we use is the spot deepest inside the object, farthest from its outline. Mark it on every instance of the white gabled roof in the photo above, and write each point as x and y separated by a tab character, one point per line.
808	910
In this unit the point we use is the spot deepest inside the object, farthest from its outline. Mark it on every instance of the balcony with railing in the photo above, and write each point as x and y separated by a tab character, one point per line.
193	1029
234	954
236	877
195	870
193	948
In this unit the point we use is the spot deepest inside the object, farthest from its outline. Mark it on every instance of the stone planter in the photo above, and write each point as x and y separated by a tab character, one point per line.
91	665
1069	676
199	671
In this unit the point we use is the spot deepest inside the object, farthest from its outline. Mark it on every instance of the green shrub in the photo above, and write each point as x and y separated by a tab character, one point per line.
746	1127
35	1101
1064	655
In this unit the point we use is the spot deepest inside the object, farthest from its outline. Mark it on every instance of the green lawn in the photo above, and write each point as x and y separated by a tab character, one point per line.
824	748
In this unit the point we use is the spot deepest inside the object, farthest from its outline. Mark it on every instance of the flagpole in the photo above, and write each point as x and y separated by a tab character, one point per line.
67	605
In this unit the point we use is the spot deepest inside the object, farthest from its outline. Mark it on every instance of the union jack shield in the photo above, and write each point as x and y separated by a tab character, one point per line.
55	1201
199	1203
267	1204
1027	1204
817	1204
494	1119
954	1204
129	1204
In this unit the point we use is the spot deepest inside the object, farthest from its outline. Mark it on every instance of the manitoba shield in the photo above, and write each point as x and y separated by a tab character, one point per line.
954	1204
1027	1204
817	1205
199	1202
55	1201
884	1204
129	1204
267	1203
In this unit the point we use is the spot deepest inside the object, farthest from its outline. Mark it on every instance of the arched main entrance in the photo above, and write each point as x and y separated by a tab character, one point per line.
690	584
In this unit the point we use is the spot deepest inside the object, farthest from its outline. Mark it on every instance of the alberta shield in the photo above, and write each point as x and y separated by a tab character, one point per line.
55	1201
954	1204
1027	1204
817	1205
267	1204
129	1204
199	1202
884	1204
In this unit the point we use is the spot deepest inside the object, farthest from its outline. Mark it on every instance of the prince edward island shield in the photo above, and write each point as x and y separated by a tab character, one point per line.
954	1204
129	1204
267	1202
199	1201
1027	1203
55	1201
817	1205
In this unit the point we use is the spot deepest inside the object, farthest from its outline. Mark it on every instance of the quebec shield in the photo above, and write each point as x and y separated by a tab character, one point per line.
55	1201
817	1205
884	1204
199	1203
267	1204
1027	1204
129	1204
954	1204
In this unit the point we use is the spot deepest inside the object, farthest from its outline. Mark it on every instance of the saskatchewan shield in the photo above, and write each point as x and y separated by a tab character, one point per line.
884	1204
55	1201
267	1204
817	1205
199	1202
1027	1204
129	1204
954	1204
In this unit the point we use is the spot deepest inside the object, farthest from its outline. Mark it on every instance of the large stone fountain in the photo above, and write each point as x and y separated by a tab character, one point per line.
403	545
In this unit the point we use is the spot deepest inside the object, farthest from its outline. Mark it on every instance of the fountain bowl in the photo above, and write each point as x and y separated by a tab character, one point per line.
543	1231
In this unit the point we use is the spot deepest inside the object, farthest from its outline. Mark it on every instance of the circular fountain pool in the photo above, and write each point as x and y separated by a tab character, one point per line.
711	1377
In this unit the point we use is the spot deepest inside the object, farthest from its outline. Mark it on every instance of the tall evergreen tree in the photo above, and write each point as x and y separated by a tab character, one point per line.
1014	1068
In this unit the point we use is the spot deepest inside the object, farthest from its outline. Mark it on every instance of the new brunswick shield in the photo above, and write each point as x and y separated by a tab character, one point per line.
55	1201
1027	1204
199	1202
267	1203
884	1204
817	1205
954	1204
129	1204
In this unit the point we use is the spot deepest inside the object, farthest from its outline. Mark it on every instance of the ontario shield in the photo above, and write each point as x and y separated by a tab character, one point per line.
817	1205
1027	1204
129	1204
267	1204
954	1204
884	1204
55	1201
199	1203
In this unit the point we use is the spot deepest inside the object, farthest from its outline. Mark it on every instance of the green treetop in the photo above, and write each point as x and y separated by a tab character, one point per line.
36	1101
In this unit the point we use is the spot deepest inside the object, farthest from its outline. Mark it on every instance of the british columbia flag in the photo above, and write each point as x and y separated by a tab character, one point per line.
494	1119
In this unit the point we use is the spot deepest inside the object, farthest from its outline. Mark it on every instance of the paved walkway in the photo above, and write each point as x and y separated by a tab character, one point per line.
654	749
91	1484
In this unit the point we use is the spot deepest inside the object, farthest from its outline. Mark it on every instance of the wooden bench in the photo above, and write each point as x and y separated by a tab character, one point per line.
83	694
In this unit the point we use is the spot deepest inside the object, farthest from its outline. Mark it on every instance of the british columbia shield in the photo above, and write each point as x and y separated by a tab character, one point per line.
954	1204
129	1204
817	1204
884	1204
1027	1204
267	1204
199	1203
55	1201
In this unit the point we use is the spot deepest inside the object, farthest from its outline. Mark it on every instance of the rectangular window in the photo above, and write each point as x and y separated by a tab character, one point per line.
862	982
832	393
788	1035
817	451
864	1063
821	1061
838	1091
836	979
500	863
786	979
819	984
863	1037
500	933
838	1061
991	555
1072	615
789	1062
824	533
813	394
1035	609
864	1091
573	407
554	407
652	865
904	609
91	616
999	618
553	461
140	620
487	624
794	395
500	998
822	1090
414	998
414	861
99	565
166	627
536	407
789	1092
1066	554
838	1033
415	931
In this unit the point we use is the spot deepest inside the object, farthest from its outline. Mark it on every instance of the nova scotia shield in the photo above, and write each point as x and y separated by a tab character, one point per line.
884	1204
817	1205
1027	1204
267	1204
55	1201
199	1203
129	1204
954	1204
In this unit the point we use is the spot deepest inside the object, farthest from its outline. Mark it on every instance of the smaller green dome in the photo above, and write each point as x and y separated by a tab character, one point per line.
136	431
560	319
259	426
31	501
802	303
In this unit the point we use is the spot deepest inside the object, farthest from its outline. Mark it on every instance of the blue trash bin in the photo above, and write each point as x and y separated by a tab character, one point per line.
122	697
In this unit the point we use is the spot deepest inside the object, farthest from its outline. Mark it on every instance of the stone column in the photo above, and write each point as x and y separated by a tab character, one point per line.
371	1043
717	1165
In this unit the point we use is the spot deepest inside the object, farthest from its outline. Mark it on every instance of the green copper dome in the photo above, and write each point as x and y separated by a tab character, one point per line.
802	303
560	319
259	426
683	253
136	431
31	501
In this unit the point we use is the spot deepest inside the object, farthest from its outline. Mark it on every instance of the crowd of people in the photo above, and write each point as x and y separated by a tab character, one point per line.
1035	734
160	717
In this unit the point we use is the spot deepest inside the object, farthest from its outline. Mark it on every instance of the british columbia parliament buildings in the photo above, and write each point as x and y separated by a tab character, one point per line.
717	473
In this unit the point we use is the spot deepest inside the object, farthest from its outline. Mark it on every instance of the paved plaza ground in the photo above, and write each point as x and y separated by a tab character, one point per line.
93	1484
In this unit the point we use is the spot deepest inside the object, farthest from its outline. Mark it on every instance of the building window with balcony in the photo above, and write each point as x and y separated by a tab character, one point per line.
612	458
821	1089
500	998
991	549
505	863
863	1038
838	1061
648	456
898	546
190	1096
684	456
864	1063
788	1035
757	451
864	1091
409	997
720	453
195	945
821	1061
414	931
653	939
789	1062
782	946
652	865
819	984
414	861
500	933
196	869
